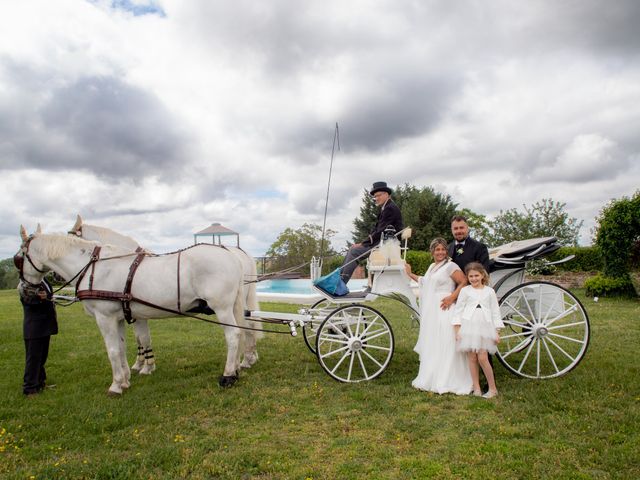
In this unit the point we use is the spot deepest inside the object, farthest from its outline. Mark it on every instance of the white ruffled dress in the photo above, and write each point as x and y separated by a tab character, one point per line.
478	314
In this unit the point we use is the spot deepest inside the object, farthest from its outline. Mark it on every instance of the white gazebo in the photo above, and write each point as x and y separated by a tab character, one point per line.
216	231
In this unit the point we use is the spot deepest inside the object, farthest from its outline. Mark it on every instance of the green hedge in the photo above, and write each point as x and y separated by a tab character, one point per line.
587	259
419	261
601	286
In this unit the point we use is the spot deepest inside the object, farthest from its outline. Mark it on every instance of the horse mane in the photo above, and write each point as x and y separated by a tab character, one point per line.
54	246
105	233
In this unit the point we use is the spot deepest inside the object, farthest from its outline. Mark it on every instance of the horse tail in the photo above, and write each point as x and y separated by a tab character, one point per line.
239	306
252	296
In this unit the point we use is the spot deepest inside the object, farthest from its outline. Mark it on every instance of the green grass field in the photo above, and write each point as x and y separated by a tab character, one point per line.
287	419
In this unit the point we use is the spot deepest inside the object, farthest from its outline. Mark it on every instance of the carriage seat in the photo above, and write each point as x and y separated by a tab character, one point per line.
389	252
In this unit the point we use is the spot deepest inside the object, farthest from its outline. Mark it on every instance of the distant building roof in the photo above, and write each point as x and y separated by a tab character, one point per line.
216	229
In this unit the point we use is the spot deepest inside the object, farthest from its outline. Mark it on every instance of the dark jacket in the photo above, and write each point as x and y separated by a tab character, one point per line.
388	215
473	251
39	315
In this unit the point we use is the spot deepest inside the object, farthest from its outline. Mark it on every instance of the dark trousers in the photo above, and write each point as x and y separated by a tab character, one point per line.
36	353
350	264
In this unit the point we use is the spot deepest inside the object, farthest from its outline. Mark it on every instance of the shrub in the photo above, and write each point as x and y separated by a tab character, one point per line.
587	259
601	286
618	231
419	261
540	266
331	263
8	274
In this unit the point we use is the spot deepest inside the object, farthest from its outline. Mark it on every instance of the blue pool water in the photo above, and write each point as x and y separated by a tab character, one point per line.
299	286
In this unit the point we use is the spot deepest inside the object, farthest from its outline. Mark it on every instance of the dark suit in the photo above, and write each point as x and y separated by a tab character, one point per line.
472	251
389	215
40	322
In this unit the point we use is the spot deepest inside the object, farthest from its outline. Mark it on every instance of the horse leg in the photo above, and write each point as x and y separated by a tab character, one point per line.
250	347
123	356
139	363
145	361
251	336
109	328
232	336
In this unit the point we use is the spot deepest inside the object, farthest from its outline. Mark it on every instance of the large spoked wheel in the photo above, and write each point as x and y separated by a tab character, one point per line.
319	311
547	330
354	343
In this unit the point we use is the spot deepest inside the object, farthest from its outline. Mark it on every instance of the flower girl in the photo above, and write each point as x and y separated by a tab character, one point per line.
477	321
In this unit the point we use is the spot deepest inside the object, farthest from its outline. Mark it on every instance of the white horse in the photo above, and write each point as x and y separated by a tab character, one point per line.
145	360
214	276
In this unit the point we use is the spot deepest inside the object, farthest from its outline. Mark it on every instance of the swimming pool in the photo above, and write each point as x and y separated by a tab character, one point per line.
299	286
298	290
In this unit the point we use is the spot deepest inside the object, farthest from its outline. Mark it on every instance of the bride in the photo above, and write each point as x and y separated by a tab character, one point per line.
442	368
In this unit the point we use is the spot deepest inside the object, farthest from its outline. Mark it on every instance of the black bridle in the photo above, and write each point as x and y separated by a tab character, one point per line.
18	260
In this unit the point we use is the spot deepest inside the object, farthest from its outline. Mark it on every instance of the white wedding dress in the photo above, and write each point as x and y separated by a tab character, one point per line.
442	368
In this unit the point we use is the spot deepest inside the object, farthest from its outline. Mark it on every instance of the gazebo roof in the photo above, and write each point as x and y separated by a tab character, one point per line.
216	229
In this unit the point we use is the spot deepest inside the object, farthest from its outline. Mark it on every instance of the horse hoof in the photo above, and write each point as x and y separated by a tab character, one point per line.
112	394
227	381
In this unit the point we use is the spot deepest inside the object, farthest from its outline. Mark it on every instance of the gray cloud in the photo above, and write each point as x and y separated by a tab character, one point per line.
590	25
98	124
533	98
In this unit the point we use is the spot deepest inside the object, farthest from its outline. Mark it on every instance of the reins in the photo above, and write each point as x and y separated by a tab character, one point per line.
125	296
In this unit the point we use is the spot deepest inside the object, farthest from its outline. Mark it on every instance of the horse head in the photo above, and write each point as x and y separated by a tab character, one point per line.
33	270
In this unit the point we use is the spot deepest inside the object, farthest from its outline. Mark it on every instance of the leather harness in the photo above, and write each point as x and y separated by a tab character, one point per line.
125	297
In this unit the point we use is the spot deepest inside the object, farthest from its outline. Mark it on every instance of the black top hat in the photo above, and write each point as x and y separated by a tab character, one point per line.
380	187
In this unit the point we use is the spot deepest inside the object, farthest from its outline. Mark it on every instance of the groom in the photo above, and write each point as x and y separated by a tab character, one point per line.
464	249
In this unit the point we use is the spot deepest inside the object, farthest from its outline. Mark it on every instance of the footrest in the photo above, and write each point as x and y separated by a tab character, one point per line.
350	296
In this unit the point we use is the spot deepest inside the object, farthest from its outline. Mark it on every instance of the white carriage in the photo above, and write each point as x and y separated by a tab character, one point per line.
546	334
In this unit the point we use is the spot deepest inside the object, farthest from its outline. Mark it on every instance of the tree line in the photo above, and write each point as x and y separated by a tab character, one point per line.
429	213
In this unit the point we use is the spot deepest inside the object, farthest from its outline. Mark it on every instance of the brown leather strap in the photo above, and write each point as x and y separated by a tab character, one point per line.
102	295
126	302
95	255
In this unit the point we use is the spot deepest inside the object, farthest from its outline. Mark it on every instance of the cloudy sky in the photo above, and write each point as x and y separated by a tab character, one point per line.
157	118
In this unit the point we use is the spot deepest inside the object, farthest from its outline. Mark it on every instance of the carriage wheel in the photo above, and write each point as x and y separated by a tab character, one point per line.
320	310
547	330
354	343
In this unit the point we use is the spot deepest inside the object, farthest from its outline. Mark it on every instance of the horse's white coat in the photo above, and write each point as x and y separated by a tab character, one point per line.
143	336
211	273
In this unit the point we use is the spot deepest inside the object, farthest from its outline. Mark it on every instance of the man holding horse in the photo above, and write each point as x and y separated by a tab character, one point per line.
39	324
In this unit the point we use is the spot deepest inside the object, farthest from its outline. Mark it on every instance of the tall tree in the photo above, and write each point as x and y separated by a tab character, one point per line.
296	247
546	218
364	223
426	211
478	224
